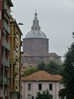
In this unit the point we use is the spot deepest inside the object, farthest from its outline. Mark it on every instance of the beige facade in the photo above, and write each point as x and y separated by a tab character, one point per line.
34	89
15	59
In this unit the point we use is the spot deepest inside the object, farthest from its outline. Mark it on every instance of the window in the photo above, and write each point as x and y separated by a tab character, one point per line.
40	86
29	96
29	87
50	86
32	97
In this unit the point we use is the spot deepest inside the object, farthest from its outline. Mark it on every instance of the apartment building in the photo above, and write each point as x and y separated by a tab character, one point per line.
15	59
4	47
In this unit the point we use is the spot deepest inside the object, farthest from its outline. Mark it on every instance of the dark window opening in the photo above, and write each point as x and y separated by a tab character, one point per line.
29	86
40	86
32	97
50	86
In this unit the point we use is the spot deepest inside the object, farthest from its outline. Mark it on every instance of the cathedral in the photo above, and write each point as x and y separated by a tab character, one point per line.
36	47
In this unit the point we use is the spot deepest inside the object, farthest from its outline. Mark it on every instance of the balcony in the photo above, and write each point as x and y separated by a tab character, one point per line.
15	55
5	62
5	80
6	9
6	26
5	44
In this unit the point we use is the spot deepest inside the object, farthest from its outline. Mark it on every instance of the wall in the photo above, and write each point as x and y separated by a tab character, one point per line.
35	60
35	46
34	89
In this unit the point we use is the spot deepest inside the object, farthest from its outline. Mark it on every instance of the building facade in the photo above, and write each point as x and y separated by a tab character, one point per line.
4	47
15	59
39	82
36	47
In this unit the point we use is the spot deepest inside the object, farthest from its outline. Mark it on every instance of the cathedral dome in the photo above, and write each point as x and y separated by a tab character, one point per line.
35	30
35	34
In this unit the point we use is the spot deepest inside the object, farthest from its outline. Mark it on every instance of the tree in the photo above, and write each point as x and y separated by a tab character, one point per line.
54	68
68	75
41	66
43	95
29	71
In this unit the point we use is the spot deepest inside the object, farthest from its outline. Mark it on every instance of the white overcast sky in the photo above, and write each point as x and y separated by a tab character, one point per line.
56	18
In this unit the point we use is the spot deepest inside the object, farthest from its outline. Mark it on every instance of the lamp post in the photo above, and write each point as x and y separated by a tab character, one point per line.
73	34
20	24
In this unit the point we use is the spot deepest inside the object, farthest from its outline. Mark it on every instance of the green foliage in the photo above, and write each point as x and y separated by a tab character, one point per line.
41	66
29	71
62	93
51	68
43	95
54	68
68	75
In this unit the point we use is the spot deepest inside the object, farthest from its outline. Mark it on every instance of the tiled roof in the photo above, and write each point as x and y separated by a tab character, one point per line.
42	76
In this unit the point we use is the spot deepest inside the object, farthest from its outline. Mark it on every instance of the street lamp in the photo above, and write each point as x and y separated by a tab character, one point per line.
73	34
20	24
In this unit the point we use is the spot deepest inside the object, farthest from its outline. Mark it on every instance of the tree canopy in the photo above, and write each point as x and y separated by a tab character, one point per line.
68	75
44	95
52	68
41	66
29	71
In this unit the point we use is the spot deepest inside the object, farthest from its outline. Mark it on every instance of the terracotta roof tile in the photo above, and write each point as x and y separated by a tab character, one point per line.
42	76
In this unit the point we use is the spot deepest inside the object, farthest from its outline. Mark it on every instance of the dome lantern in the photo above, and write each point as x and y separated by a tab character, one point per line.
35	29
35	25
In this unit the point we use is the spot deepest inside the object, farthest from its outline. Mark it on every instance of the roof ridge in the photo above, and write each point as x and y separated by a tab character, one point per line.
42	75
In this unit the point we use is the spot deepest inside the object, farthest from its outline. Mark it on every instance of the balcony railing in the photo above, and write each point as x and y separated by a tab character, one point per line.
7	10
5	62
5	80
6	26
5	44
